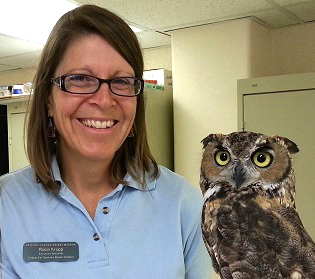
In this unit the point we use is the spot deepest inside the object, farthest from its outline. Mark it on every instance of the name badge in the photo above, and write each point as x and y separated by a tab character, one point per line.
51	251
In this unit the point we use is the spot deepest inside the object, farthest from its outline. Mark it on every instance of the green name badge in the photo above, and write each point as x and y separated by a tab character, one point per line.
50	251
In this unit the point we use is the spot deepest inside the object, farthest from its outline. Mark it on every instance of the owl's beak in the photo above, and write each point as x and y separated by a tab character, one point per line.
239	175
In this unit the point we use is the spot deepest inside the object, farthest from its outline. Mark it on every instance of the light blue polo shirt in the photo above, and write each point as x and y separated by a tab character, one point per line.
136	234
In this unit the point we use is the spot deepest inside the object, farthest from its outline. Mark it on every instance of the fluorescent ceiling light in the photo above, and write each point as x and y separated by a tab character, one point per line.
31	20
135	29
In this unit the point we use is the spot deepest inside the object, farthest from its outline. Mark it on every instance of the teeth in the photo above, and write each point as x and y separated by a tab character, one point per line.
98	124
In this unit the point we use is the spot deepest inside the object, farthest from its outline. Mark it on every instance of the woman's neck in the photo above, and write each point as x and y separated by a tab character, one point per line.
89	180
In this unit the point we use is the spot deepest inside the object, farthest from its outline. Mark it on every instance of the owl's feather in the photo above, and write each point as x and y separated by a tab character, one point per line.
252	229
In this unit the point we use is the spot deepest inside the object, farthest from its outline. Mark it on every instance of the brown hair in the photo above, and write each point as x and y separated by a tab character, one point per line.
134	155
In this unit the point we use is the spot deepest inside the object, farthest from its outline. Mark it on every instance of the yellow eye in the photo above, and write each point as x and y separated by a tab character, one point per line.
222	158
262	159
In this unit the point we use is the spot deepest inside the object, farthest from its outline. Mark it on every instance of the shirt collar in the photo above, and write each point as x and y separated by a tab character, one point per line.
151	182
55	170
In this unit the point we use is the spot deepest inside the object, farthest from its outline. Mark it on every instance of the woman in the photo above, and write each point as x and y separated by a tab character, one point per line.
94	203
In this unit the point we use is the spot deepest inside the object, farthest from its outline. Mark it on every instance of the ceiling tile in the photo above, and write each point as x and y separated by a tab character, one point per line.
23	60
12	46
275	18
305	11
165	14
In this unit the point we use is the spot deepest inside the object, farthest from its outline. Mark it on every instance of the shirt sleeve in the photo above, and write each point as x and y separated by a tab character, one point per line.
5	269
197	260
5	272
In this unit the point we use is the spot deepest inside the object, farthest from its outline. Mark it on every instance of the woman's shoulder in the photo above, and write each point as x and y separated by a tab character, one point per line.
177	186
18	181
171	177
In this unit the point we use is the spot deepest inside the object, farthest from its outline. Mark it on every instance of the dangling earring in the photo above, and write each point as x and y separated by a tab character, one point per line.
51	130
131	133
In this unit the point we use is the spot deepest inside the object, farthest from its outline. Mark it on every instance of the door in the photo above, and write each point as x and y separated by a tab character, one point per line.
290	114
16	119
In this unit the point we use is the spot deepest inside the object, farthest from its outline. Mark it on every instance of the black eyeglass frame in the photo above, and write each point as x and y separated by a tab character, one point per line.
60	82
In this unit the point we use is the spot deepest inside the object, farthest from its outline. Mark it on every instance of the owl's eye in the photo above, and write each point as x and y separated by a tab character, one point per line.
222	158
262	159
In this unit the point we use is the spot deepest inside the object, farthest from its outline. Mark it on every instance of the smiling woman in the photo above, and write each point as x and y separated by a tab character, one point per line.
94	191
69	33
83	144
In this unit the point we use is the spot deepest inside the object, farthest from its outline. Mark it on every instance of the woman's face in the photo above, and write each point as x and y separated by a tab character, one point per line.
78	117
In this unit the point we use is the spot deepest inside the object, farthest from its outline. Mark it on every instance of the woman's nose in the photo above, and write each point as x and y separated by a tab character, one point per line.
103	96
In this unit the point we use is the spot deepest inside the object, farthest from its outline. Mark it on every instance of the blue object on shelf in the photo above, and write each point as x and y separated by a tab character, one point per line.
17	91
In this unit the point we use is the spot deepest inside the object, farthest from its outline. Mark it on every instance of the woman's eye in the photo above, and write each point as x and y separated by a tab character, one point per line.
262	159
121	82
81	81
77	78
222	158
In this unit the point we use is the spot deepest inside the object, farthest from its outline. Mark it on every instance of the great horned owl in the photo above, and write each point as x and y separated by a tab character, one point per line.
249	221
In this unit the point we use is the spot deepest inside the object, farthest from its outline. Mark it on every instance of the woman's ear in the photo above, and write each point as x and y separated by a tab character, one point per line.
50	106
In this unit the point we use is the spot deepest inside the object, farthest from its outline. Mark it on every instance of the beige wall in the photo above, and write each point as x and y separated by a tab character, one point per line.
156	58
207	61
17	77
294	49
260	51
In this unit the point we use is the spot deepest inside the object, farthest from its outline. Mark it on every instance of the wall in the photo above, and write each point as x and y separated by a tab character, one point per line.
207	61
261	59
293	49
17	76
156	58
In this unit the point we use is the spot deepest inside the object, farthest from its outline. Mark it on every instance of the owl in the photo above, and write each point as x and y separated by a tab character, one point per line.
250	224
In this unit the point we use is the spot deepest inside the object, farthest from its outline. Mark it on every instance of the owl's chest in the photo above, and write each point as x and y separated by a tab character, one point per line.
242	222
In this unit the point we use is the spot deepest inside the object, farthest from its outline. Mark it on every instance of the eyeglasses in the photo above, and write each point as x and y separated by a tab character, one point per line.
86	84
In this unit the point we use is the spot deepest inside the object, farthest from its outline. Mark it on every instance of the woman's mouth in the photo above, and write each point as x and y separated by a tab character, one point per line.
97	124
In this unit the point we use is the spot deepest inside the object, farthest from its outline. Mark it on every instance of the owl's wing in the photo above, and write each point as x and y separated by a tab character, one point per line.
298	250
208	240
222	240
246	240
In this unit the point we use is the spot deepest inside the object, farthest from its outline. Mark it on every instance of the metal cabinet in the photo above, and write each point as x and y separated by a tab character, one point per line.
284	105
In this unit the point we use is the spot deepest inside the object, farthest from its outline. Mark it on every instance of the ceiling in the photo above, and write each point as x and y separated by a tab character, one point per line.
158	17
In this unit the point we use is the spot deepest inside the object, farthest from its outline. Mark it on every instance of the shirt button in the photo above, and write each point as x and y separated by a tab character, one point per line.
96	237
106	210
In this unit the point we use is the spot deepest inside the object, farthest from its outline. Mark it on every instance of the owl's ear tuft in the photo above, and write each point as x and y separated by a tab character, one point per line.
212	138
291	146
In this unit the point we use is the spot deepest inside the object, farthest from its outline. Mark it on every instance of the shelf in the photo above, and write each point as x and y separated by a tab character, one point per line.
11	99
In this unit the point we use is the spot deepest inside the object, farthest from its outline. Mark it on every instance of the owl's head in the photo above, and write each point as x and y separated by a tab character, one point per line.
245	160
